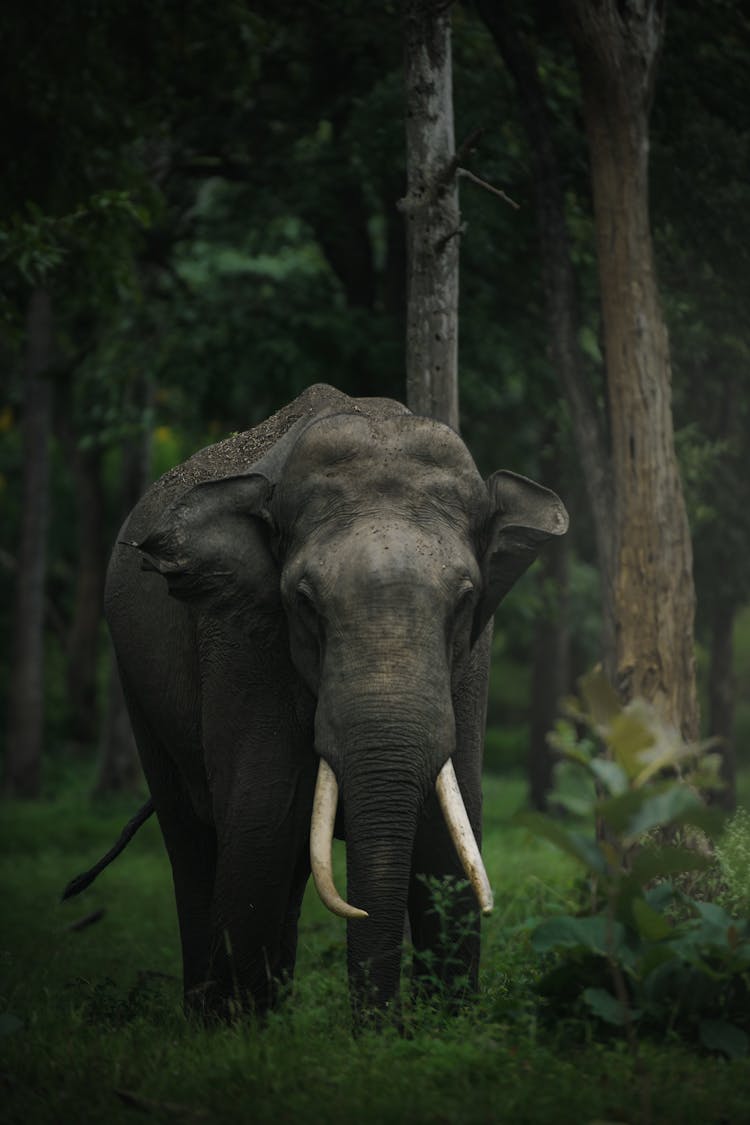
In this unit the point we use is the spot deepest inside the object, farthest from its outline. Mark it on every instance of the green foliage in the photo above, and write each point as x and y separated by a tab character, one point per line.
92	1027
644	952
437	973
733	854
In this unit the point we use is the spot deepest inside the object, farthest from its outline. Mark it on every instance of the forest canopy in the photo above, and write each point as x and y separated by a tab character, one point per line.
199	217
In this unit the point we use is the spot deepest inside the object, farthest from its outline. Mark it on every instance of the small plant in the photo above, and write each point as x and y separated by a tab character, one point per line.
440	972
643	954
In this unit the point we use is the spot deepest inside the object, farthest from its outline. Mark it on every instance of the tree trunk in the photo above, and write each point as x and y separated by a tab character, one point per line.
617	45
82	653
432	215
721	694
23	761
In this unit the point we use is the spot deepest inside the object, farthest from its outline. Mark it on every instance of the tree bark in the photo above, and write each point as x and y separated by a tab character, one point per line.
617	46
432	216
82	649
23	761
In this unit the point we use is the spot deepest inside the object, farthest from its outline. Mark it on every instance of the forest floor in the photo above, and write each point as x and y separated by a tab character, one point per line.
92	1028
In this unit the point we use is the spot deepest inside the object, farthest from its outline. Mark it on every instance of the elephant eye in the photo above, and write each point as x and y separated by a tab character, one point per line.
305	607
465	597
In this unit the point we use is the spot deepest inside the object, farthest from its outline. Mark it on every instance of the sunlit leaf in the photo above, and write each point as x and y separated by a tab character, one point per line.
630	735
602	702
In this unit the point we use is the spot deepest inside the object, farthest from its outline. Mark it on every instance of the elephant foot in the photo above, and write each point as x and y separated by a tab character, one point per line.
210	1003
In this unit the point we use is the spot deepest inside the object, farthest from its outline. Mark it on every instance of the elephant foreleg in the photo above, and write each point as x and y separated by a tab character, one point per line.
262	867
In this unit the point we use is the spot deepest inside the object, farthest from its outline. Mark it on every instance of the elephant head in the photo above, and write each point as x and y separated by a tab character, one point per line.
387	555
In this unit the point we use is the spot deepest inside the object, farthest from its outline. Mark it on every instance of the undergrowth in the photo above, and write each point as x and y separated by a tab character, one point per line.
92	1026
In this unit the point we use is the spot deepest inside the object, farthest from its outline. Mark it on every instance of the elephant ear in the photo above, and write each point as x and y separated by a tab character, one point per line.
523	516
214	542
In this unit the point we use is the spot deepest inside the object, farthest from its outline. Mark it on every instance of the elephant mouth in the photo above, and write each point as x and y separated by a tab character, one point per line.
456	819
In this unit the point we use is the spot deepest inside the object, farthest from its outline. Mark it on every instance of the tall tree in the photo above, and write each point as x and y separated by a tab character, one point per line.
617	46
432	216
26	698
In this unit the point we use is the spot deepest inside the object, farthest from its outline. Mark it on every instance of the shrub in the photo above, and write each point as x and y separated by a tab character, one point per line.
642	953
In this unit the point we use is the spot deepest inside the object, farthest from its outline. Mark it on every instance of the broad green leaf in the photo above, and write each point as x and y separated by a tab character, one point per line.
611	776
653	957
617	812
718	1035
582	848
661	809
651	863
652	926
714	914
661	896
594	934
608	1008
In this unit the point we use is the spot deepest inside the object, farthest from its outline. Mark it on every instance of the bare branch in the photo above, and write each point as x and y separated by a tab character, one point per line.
464	173
464	149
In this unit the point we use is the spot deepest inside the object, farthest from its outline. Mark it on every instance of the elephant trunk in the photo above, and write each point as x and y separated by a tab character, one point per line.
381	811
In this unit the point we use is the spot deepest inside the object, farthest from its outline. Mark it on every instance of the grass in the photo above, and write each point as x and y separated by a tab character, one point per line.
93	1028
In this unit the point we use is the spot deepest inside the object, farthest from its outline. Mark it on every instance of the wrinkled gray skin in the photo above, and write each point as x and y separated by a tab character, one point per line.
320	585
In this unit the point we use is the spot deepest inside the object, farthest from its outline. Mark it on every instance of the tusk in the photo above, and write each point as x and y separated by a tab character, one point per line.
456	817
321	840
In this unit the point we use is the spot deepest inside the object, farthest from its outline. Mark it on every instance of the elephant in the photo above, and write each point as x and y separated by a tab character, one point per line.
301	616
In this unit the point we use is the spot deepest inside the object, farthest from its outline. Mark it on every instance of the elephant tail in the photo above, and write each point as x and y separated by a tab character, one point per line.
80	882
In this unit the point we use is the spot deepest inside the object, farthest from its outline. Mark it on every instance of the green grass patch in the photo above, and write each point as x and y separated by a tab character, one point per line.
93	1028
